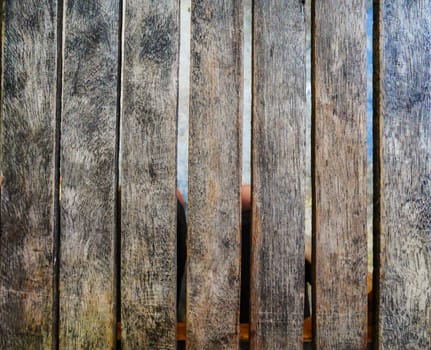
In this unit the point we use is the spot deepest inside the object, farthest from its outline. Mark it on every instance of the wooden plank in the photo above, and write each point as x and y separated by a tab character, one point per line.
213	269
88	137
27	170
278	172
403	155
148	171
339	171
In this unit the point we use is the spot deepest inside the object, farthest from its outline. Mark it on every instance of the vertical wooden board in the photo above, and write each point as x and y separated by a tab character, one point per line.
339	170
88	137
148	172
27	168
404	156
278	153
213	268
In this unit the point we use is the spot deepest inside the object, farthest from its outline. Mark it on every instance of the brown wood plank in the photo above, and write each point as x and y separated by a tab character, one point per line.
278	173
27	170
148	171
339	171
403	159
213	268
88	137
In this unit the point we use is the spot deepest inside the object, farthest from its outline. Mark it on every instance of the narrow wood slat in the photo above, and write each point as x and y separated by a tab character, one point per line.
278	153
148	171
213	268
339	162
403	150
88	136
27	170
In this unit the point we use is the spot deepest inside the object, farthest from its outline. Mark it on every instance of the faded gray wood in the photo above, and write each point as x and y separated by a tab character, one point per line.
148	172
403	131
339	167
278	172
213	268
88	136
27	171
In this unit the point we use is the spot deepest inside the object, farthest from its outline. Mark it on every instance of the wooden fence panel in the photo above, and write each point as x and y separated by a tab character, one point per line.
339	162
148	172
403	151
279	124
88	143
213	268
27	170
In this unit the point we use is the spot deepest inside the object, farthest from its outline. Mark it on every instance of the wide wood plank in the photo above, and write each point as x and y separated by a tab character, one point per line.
403	184
148	172
278	173
27	170
339	171
88	137
213	268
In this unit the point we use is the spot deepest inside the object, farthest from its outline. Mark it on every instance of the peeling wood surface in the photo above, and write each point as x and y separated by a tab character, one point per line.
404	137
88	136
278	172
148	172
213	267
27	169
339	162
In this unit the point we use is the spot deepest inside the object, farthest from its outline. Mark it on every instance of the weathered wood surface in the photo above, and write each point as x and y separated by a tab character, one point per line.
278	172
404	159
213	268
27	170
148	172
88	136
339	165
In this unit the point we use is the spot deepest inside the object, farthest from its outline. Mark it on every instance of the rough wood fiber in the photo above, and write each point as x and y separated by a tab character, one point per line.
339	174
27	168
213	269
279	122
148	171
404	138
87	169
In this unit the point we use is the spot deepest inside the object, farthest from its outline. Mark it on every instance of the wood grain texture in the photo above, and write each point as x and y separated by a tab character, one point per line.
213	268
278	173
148	171
27	168
339	171
403	97
88	137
